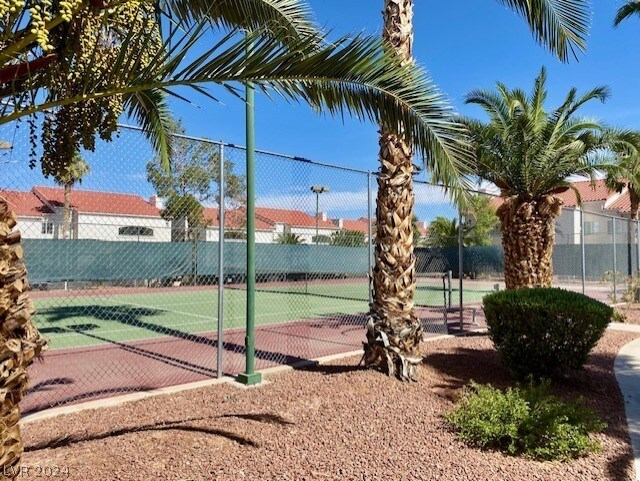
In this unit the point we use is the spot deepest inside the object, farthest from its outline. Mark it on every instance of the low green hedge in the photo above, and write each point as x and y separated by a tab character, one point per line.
525	421
544	332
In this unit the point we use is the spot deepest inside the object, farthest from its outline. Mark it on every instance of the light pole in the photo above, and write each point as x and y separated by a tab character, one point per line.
318	189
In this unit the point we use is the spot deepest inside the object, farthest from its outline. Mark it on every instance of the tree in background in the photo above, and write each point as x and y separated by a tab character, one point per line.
289	238
529	154
483	221
480	227
417	235
348	238
71	175
443	232
193	181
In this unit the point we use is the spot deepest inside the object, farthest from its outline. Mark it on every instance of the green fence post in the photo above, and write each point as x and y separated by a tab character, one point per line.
249	377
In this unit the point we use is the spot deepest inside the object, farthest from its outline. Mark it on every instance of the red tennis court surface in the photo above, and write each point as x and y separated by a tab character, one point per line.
67	376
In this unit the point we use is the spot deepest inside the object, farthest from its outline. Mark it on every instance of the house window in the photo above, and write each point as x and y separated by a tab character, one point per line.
135	230
592	227
47	227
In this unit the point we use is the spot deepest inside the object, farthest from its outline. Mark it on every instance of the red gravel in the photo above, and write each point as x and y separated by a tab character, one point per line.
326	422
631	313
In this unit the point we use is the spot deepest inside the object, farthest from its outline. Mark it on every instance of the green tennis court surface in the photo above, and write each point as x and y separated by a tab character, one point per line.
76	321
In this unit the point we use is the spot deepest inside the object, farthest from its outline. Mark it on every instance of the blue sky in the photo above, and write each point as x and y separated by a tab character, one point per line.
464	44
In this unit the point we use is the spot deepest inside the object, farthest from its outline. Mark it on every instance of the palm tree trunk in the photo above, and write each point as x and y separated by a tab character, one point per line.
20	341
528	235
66	223
394	332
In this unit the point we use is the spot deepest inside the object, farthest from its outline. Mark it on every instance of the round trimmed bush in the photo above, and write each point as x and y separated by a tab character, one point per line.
544	332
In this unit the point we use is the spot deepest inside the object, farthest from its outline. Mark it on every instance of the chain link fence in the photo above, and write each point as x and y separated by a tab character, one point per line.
139	275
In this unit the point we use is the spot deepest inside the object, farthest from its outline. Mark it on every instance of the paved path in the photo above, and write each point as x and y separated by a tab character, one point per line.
627	369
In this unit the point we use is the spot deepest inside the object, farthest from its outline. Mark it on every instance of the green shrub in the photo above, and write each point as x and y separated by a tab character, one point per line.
527	421
544	332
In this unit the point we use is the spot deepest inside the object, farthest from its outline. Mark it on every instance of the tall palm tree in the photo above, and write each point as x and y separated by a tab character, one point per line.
72	175
626	11
21	341
393	330
529	154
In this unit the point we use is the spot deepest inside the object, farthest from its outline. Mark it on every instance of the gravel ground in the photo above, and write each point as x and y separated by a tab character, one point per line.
327	422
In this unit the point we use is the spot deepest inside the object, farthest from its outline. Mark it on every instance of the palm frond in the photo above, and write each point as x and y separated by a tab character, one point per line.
627	10
150	110
355	76
531	153
293	16
561	25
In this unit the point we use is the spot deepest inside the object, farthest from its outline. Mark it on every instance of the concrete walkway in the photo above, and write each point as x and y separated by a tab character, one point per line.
627	369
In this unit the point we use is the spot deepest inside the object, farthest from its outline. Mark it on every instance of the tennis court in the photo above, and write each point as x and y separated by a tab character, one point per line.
77	319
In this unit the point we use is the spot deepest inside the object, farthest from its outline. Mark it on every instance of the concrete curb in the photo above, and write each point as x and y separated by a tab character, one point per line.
621	326
627	370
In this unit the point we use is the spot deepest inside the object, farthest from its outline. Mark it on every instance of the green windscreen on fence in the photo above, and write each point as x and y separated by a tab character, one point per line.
93	260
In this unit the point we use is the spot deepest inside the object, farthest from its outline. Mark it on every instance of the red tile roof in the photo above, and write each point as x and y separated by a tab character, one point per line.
235	219
25	204
622	204
96	202
295	218
588	192
359	225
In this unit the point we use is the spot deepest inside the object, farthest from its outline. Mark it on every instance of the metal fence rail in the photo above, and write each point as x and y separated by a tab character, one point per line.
147	286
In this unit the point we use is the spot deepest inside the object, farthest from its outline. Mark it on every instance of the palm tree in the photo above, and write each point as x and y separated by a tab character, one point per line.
72	175
289	238
529	154
628	10
443	232
21	341
394	332
624	171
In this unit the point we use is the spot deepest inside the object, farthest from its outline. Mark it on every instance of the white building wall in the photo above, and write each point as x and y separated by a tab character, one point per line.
32	227
106	227
307	234
262	236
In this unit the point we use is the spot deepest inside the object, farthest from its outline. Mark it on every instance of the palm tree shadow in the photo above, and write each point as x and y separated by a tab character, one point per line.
331	369
177	425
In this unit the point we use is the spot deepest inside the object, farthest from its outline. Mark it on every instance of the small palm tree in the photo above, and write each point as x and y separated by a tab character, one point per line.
289	238
529	153
629	9
443	232
624	171
67	177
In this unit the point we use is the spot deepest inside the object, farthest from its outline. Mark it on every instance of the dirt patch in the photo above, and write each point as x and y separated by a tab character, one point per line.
326	422
631	313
